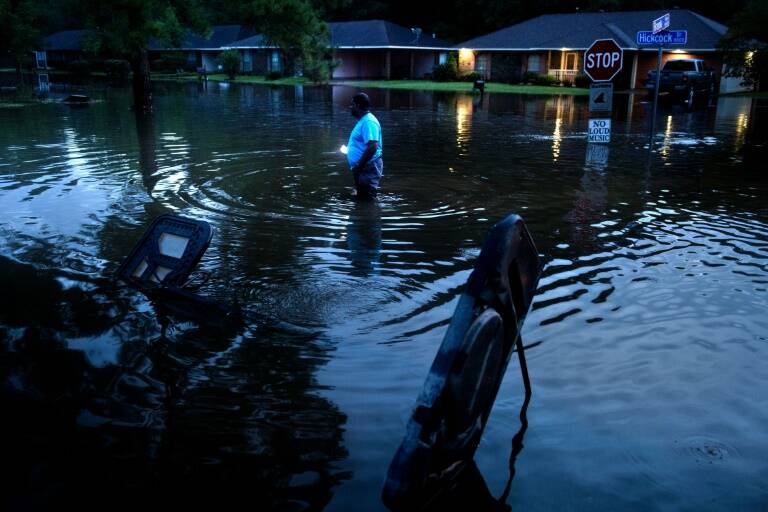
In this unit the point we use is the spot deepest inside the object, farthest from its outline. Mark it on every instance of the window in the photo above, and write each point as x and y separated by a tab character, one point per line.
534	63
680	65
274	64
442	58
481	64
42	61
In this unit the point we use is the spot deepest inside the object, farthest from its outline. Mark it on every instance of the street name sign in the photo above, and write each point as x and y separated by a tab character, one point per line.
646	37
600	97
660	24
603	60
599	131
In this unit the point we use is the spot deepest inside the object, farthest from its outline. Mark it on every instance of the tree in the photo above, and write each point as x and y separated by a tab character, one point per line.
295	27
230	62
745	46
127	27
20	34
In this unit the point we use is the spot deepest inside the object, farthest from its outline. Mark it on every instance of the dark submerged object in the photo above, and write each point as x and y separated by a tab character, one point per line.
453	407
77	99
161	262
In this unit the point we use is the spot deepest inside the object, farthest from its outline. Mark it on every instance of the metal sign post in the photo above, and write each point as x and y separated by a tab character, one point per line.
661	36
602	62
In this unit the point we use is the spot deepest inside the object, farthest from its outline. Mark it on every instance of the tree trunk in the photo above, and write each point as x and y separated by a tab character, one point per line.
20	71
145	130
142	87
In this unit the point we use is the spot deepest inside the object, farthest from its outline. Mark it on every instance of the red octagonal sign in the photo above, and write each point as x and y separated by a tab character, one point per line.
603	60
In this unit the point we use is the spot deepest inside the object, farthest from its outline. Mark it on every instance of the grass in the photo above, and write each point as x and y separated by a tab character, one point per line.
750	94
427	85
418	85
240	79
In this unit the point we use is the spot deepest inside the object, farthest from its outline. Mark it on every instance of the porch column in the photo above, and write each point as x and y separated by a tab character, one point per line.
388	64
634	72
410	73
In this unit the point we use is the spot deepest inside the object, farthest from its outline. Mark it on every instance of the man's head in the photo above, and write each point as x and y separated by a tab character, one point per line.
360	104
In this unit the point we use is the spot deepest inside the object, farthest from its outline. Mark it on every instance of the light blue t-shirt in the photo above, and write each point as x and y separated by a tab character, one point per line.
366	129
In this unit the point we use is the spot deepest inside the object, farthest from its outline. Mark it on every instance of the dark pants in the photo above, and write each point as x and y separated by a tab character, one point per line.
367	180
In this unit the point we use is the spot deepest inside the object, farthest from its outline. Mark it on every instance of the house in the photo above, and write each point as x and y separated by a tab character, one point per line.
554	44
66	46
200	51
364	49
257	56
381	49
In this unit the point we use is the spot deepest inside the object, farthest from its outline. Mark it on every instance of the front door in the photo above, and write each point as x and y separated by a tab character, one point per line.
571	61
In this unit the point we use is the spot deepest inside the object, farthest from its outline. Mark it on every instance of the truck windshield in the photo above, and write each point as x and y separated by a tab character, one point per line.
680	65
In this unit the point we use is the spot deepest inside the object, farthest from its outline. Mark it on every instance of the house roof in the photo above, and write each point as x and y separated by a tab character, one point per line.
66	40
364	34
221	36
578	30
381	34
257	41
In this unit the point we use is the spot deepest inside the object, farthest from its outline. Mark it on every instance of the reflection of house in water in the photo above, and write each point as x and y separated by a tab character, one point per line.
588	206
385	98
733	115
464	108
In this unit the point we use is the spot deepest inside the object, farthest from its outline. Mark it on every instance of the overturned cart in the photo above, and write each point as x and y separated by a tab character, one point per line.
453	407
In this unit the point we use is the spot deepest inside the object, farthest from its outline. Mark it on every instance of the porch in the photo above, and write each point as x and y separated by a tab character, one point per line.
564	65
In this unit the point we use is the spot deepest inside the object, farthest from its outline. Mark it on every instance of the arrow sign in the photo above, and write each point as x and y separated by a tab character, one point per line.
660	24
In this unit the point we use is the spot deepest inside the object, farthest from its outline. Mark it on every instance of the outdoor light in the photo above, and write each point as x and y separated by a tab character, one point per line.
465	54
344	150
167	252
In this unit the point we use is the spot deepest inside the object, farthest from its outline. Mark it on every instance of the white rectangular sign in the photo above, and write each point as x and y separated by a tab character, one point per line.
599	131
660	24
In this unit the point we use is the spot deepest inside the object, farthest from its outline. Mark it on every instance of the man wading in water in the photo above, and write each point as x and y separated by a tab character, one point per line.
365	148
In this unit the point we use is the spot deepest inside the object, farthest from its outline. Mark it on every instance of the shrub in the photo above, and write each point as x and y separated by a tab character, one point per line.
471	77
546	80
319	68
117	70
530	77
230	62
566	83
446	72
582	81
274	75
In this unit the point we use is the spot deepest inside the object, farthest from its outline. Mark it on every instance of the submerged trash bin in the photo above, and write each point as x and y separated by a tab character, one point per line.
479	85
460	389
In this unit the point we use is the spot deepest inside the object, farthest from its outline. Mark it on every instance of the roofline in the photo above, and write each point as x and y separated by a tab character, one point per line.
628	48
395	47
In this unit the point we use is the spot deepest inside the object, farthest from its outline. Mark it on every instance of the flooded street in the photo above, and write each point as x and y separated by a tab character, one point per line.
650	327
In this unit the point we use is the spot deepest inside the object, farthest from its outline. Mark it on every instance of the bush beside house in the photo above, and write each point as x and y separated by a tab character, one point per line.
230	62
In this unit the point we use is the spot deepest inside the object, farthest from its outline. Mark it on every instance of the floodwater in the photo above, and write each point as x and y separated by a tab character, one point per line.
650	333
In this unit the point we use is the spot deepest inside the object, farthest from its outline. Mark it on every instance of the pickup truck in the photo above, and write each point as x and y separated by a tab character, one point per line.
684	78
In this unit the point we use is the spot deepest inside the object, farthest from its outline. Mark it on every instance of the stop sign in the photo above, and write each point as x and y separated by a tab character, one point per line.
603	60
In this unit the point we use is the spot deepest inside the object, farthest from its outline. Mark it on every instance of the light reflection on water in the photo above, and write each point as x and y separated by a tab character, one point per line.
648	380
